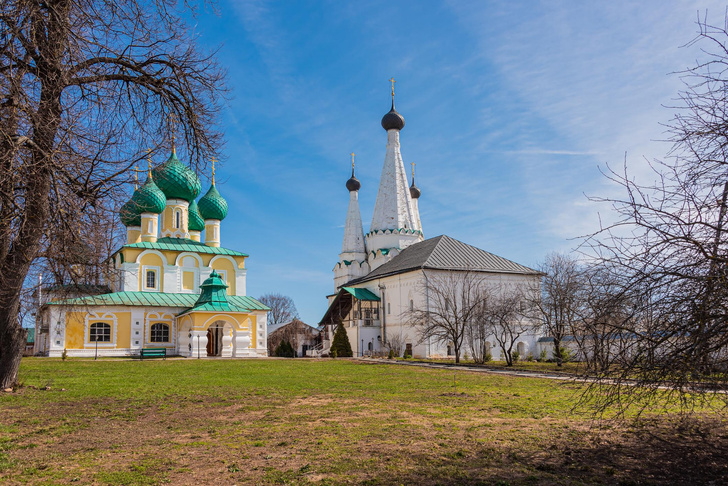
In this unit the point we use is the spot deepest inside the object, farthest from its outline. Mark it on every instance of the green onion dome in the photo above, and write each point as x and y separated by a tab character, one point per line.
149	198
128	214
176	180
212	205
196	223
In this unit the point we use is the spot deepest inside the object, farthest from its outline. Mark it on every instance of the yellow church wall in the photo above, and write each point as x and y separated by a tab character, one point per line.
154	260
123	331
168	217
75	329
229	268
130	254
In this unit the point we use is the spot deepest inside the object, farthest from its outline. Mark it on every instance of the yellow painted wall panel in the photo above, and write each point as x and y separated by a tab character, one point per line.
229	268
188	280
123	331
75	322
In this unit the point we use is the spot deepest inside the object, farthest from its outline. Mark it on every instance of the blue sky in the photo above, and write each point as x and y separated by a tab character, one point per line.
511	108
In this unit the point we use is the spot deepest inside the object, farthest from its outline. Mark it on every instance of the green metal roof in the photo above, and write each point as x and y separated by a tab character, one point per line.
361	294
31	335
237	303
183	244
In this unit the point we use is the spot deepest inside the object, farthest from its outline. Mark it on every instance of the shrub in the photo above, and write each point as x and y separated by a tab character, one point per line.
487	357
529	357
566	355
284	350
515	356
407	356
64	354
340	344
391	354
543	356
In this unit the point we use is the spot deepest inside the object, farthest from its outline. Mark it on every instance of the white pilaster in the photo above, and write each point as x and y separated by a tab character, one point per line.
240	281
198	340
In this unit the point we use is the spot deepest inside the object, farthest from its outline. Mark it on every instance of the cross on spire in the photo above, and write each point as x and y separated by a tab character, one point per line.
136	177
391	80
172	119
213	170
149	159
352	162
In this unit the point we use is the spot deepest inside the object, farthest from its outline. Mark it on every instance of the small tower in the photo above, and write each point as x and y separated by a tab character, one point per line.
180	185
213	209
353	256
415	194
394	225
141	213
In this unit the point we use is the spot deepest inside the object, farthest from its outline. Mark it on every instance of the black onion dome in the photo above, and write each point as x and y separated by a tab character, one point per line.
415	191
353	183
393	120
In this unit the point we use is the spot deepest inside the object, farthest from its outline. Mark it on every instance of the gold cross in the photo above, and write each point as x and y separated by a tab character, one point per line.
213	171
149	159
172	119
392	81
352	160
413	170
136	178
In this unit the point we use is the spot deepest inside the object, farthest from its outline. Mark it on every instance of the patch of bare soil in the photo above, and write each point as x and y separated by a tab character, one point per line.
194	441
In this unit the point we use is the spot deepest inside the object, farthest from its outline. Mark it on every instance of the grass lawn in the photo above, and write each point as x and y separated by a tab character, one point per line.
328	422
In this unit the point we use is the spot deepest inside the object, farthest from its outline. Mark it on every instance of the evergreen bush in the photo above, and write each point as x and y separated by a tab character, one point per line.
340	346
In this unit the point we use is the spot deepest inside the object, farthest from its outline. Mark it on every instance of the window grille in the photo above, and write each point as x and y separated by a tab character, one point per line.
159	333
100	332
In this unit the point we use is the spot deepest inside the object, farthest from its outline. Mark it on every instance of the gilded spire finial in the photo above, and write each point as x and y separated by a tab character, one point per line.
136	177
391	80
149	159
352	162
173	132
413	172
213	171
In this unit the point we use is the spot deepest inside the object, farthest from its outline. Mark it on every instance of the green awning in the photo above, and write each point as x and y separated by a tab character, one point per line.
361	294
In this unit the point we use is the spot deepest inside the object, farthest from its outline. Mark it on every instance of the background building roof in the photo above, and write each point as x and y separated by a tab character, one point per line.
445	253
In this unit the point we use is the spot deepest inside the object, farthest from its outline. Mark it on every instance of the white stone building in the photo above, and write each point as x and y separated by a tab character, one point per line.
380	276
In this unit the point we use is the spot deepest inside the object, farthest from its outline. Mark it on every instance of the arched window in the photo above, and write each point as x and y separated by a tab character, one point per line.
177	218
151	279
159	333
100	332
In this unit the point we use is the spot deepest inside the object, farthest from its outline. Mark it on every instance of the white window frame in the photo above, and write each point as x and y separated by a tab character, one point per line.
107	318
159	318
169	332
177	218
157	278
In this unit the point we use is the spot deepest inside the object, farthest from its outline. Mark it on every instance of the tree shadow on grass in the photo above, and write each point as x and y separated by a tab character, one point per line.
688	452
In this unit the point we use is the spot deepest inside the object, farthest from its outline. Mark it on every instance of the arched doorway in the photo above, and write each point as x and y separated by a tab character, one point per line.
214	339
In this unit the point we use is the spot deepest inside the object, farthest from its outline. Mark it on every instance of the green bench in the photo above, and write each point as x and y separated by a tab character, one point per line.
153	353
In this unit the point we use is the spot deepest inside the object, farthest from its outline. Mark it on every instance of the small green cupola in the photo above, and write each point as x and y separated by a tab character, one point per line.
196	223
149	198
128	214
176	180
212	291
212	205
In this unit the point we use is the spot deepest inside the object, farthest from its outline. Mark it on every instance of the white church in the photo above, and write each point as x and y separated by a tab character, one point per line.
380	275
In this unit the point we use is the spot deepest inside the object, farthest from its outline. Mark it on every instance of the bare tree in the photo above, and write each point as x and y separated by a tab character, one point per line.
86	86
557	303
668	251
507	317
282	308
451	301
395	343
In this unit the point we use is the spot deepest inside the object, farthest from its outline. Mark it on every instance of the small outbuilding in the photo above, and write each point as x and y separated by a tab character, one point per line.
300	335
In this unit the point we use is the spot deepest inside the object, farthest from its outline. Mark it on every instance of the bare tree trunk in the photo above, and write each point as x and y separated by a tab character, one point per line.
14	338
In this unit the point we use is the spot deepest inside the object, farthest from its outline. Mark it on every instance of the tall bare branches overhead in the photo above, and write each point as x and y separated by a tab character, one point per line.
86	86
668	253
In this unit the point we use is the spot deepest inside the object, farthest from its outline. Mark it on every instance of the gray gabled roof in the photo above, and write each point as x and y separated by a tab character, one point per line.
445	253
